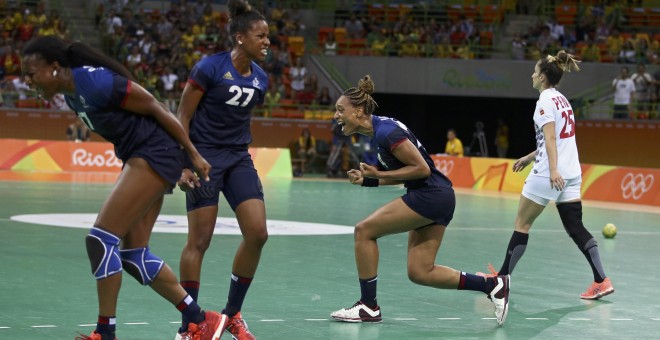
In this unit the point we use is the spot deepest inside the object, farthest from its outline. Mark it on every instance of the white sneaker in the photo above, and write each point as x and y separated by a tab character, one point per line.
358	313
500	297
178	336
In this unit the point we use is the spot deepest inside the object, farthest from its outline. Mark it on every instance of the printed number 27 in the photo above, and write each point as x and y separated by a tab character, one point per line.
238	93
569	124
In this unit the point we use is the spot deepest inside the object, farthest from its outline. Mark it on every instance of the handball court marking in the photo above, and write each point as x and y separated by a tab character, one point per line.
330	320
325	267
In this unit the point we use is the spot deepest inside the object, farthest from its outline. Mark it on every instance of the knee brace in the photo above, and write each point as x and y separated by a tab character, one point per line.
571	217
141	264
103	253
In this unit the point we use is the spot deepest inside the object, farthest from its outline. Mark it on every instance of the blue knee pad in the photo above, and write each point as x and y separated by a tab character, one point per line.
141	264
103	253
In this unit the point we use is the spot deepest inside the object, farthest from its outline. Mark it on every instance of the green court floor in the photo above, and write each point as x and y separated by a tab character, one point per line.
47	291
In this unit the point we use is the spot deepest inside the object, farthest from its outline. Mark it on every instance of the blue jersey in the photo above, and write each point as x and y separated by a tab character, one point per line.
222	117
97	101
388	134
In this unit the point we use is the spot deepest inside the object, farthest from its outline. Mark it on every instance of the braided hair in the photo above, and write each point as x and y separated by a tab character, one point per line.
360	96
554	66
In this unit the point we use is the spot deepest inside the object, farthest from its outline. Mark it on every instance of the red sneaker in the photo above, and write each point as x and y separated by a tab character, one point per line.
93	336
209	329
238	328
598	290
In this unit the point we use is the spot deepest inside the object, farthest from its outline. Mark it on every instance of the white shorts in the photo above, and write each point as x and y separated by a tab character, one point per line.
538	189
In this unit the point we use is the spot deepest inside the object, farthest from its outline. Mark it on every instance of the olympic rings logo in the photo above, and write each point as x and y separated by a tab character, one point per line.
444	166
636	185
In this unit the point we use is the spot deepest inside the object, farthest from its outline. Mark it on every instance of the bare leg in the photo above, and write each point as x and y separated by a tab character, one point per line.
423	246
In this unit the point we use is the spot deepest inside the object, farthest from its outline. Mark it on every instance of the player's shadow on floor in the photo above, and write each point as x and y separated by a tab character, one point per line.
532	328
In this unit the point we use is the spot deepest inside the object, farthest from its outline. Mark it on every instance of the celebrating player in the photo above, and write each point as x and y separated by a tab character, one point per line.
146	137
424	211
556	174
215	108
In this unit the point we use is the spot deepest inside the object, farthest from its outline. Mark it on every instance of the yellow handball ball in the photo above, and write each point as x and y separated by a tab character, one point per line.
609	230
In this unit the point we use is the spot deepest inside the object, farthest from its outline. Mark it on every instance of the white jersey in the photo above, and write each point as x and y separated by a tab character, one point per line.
552	106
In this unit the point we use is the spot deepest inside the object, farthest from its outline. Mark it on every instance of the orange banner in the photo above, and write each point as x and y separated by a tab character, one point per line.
599	182
21	155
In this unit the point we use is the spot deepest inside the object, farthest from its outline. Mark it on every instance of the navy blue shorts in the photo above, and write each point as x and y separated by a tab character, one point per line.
163	155
435	203
232	173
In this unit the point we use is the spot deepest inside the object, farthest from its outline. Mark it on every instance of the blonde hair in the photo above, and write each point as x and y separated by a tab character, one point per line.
360	96
555	66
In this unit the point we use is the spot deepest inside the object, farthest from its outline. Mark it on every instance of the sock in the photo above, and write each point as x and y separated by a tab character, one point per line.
238	288
571	218
476	283
368	290
190	310
590	251
192	288
514	252
106	326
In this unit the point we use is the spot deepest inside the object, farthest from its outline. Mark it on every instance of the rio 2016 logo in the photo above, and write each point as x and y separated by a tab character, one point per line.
82	157
636	185
444	166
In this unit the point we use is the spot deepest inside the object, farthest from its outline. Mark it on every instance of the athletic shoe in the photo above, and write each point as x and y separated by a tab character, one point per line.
209	329
238	328
598	290
177	336
500	297
358	313
491	269
93	336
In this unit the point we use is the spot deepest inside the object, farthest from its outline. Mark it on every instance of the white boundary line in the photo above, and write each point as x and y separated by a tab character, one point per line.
316	320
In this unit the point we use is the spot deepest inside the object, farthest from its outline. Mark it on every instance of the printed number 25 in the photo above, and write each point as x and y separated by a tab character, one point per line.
569	124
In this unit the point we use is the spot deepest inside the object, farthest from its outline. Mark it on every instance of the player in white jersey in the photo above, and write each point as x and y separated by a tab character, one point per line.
556	174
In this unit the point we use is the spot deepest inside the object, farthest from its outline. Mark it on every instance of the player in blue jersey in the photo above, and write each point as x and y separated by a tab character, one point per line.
424	211
147	138
215	108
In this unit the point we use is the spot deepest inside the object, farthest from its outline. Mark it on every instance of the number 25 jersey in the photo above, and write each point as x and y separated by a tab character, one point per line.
222	117
552	106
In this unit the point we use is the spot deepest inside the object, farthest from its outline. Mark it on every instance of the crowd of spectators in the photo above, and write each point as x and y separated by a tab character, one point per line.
162	47
20	23
603	31
410	35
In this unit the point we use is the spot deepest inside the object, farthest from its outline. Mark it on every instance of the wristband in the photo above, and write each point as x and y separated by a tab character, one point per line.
370	182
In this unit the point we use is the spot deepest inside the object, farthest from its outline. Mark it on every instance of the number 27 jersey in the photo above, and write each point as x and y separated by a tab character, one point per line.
222	117
552	106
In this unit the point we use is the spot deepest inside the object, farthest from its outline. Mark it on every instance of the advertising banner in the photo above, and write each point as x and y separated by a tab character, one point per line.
599	182
21	155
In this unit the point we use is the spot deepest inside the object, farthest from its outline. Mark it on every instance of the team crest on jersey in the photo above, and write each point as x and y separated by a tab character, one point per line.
255	82
541	112
228	76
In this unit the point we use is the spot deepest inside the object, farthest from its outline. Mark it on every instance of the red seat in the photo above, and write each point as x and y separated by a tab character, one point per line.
565	14
323	33
491	14
636	16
